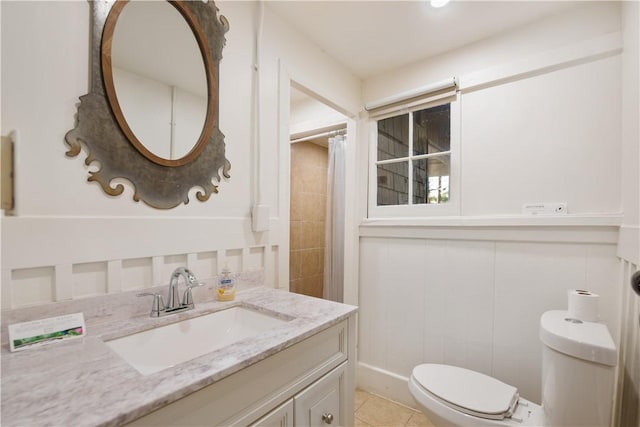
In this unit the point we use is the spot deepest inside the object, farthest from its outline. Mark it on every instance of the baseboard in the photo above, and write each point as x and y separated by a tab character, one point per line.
384	383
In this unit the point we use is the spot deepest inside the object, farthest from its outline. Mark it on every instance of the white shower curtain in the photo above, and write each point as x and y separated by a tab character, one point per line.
334	221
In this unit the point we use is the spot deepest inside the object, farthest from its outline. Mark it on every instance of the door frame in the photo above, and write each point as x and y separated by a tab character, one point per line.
351	264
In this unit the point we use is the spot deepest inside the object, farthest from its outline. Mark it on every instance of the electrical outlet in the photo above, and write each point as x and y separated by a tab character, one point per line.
544	209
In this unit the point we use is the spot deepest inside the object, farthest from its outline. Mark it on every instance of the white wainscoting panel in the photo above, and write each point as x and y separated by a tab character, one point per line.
89	279
170	263
137	273
272	262
374	293
466	278
471	303
32	286
255	258
532	278
205	264
66	262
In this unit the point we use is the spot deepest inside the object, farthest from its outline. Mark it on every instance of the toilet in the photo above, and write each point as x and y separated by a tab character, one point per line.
578	368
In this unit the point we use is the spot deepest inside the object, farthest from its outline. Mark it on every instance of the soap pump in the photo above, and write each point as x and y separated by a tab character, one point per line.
226	287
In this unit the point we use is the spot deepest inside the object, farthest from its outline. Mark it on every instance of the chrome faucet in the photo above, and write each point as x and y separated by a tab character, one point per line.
174	305
189	280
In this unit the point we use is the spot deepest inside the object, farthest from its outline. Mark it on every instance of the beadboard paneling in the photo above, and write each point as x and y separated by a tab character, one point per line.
473	303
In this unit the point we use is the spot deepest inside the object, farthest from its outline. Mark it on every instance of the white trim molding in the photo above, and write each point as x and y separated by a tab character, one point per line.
577	229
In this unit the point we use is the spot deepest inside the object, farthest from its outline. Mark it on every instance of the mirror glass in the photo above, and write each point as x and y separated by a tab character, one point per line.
159	77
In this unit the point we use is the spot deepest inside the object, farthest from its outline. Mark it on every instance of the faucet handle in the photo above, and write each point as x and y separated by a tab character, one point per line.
158	303
187	298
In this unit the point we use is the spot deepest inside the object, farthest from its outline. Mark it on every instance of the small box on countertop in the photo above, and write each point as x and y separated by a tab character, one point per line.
36	333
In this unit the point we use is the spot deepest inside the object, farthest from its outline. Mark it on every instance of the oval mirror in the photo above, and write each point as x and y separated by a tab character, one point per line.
158	80
159	177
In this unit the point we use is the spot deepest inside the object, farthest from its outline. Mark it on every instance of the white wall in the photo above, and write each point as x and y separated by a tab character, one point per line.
69	239
548	138
532	134
43	85
540	122
310	67
309	114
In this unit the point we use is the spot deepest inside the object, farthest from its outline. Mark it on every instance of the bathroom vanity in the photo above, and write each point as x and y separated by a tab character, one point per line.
299	372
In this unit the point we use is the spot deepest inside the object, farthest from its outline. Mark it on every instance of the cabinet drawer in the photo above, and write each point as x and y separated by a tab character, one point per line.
282	416
322	403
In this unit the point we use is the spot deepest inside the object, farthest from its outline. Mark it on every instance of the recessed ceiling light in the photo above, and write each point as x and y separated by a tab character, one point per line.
439	3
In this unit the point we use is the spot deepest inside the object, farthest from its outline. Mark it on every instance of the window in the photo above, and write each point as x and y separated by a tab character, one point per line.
413	162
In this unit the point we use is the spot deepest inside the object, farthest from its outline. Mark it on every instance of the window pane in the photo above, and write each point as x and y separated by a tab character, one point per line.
432	130
431	180
393	184
393	137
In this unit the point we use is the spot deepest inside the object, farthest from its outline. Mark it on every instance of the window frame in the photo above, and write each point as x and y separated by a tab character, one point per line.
452	206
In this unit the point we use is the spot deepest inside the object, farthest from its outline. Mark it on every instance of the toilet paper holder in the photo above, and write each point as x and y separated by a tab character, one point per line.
635	282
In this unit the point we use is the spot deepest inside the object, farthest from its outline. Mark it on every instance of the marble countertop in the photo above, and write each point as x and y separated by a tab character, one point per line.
83	382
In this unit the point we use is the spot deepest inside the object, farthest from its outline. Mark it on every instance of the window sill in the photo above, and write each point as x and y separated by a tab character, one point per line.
598	229
569	220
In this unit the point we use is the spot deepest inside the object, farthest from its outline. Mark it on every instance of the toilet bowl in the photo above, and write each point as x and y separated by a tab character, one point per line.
578	367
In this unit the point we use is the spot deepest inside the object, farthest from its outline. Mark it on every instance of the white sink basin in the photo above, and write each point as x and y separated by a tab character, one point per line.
160	348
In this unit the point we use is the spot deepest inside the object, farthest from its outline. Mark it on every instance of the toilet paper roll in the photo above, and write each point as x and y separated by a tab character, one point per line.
583	305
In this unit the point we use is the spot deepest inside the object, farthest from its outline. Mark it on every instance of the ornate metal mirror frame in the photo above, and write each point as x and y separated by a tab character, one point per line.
101	127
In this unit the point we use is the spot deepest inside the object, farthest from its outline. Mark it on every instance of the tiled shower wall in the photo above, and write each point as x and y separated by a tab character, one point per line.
308	210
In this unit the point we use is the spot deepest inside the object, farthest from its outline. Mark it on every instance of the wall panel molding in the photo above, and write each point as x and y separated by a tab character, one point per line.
38	241
54	259
474	302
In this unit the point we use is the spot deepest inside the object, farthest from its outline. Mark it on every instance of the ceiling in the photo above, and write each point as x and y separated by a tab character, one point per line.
371	37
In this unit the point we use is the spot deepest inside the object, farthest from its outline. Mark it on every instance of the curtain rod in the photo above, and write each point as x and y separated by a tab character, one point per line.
321	135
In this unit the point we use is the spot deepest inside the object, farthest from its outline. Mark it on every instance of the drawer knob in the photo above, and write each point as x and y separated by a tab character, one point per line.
327	418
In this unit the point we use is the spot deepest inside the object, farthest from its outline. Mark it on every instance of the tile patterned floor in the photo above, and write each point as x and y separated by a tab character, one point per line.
374	411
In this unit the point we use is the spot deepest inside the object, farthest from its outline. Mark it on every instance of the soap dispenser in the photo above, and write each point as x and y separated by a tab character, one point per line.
226	287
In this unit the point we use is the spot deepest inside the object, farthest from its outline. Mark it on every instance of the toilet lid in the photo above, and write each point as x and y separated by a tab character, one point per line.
468	391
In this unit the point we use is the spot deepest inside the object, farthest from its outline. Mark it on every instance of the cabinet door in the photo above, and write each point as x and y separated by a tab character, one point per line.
282	416
322	403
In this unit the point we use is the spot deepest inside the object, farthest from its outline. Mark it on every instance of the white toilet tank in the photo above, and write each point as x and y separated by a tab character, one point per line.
578	368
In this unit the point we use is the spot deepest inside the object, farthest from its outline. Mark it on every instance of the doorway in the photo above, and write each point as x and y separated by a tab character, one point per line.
312	125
